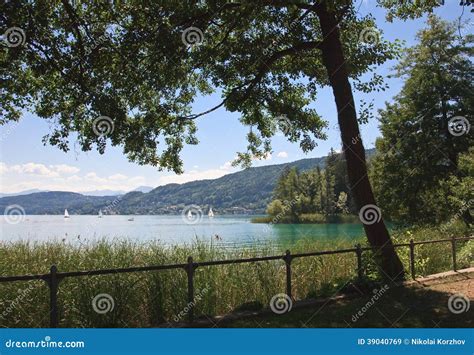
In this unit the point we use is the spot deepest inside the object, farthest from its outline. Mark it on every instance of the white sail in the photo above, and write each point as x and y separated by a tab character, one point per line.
190	214
66	214
100	213
211	213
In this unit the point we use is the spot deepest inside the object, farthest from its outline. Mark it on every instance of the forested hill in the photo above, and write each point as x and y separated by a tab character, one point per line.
246	191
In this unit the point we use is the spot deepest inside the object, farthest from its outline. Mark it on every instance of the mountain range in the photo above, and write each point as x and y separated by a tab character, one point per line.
88	193
246	191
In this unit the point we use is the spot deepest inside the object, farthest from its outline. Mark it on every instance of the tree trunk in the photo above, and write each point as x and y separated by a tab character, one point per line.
333	59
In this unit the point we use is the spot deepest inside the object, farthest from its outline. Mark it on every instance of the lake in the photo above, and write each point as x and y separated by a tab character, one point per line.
232	231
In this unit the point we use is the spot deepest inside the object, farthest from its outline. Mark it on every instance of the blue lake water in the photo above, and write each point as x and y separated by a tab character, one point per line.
231	231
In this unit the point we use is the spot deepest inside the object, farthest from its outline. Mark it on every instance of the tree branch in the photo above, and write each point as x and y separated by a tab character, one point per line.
262	70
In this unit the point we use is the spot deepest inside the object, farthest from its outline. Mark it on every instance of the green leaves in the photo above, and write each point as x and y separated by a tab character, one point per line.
419	157
144	64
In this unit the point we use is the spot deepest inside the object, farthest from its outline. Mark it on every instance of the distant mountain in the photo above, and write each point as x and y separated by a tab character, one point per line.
104	193
86	193
144	189
54	202
246	191
26	192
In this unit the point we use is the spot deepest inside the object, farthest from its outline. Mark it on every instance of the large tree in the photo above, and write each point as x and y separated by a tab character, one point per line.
426	128
127	72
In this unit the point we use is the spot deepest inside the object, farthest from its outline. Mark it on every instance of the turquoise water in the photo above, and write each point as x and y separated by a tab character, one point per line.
230	231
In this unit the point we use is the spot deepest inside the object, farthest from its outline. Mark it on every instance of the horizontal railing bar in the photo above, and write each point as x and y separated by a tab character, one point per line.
121	271
401	245
443	240
239	261
46	277
326	252
43	277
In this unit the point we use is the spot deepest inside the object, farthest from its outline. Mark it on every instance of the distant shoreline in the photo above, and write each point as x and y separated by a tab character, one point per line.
313	218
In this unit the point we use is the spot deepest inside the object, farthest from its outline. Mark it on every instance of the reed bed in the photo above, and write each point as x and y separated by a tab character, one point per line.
148	299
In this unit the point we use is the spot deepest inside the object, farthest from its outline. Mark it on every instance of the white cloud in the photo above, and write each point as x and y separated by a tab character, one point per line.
93	177
51	171
65	169
227	165
196	175
282	155
267	156
3	168
74	179
62	177
118	177
33	169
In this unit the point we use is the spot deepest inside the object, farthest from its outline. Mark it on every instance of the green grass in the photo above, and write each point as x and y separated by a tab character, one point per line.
149	298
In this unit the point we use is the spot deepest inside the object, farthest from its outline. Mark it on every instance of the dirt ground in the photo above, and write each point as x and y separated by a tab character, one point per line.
424	303
466	287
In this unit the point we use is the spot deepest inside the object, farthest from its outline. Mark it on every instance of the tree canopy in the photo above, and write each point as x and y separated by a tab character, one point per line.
128	72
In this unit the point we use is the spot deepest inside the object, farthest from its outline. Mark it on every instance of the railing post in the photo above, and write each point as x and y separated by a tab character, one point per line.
453	245
360	273
288	258
190	272
53	284
412	258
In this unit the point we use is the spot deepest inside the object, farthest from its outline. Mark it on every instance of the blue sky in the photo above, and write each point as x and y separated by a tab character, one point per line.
25	163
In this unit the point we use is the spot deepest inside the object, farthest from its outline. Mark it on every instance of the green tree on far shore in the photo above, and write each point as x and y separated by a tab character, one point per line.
313	192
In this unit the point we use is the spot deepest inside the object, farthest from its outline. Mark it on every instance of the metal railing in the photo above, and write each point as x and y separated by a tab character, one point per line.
53	278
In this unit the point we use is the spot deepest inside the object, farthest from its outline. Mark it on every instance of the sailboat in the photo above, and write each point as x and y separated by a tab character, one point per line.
211	213
100	213
190	215
66	214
